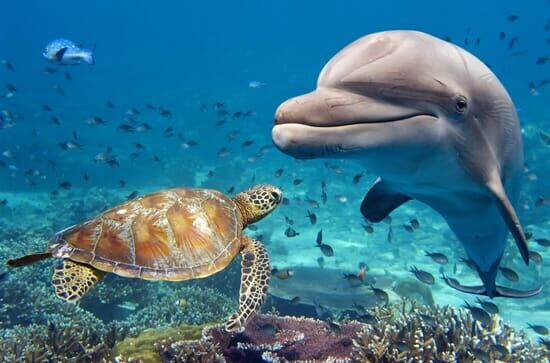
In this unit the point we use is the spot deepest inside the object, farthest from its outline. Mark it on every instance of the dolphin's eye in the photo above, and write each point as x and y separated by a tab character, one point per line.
461	104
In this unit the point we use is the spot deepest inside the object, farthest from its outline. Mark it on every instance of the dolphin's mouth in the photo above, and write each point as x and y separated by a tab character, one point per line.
342	123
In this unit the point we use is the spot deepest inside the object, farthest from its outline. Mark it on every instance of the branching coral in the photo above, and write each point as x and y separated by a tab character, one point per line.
420	333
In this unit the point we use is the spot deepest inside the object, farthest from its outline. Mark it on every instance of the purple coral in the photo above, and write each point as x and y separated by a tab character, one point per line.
279	339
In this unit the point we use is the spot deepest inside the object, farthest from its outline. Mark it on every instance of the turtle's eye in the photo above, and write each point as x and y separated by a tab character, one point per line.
276	196
461	104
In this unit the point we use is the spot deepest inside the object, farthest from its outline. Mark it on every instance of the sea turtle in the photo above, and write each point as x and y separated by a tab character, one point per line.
174	235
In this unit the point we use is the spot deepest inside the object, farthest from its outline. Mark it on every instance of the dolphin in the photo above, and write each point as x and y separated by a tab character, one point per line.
435	124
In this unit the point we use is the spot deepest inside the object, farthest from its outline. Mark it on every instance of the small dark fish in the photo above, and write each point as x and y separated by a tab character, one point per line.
319	238
297	181
268	329
65	185
59	89
380	294
539	329
110	104
286	201
169	131
132	195
68	76
326	250
7	64
479	314
369	319
295	300
353	279
535	257
86	177
512	42
368	227
95	120
289	221
11	88
252	227
247	143
231	190
334	327
542	60
509	274
121	183
312	218
469	263
46	108
312	203
544	242
438	257
390	234
502	35
283	274
415	223
408	228
357	178
321	262
512	17
125	128
423	276
3	202
324	197
488	306
49	70
359	308
55	120
291	232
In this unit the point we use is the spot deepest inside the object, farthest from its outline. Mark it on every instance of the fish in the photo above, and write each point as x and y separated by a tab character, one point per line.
512	42
512	18
66	52
544	242
380	294
488	306
502	35
7	64
535	257
312	218
357	178
509	274
423	276
408	228
282	274
541	60
479	314
132	195
68	76
3	202
297	181
268	329
368	227
65	185
70	145
321	262
279	173
326	250
440	258
334	327
291	232
389	236
252	227
539	329
95	120
256	84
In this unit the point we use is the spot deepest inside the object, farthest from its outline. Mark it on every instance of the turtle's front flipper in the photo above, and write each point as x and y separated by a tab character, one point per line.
255	274
72	280
28	259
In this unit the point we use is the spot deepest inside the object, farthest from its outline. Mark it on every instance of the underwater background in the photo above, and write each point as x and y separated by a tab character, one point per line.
183	94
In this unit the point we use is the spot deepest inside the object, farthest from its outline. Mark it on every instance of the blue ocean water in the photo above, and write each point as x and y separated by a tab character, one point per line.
186	58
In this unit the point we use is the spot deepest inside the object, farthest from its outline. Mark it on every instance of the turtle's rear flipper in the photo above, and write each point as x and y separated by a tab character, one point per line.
28	259
500	291
72	280
255	274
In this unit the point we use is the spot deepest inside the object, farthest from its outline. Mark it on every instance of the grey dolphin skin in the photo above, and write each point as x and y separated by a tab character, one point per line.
435	124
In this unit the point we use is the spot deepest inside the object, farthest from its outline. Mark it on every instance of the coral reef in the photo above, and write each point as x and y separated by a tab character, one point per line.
142	348
280	339
408	332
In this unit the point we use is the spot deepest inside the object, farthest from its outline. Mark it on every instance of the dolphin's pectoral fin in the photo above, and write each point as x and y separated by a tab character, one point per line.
500	291
380	201
508	292
510	217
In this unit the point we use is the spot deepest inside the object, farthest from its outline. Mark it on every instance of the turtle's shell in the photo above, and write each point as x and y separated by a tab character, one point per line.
176	234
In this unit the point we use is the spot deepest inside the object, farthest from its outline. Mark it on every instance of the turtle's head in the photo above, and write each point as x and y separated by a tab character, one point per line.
257	202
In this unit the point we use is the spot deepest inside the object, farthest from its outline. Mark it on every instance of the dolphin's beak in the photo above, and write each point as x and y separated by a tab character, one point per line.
330	121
